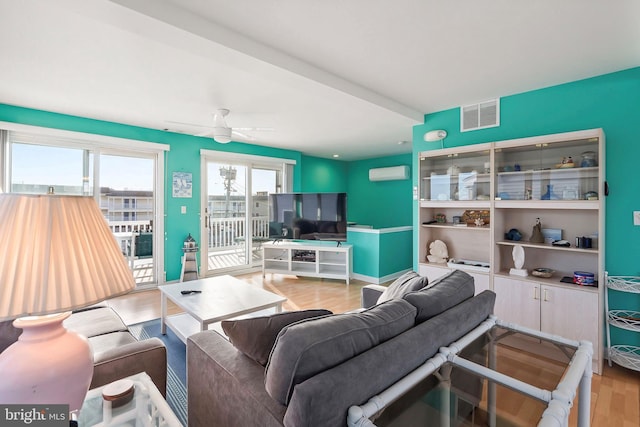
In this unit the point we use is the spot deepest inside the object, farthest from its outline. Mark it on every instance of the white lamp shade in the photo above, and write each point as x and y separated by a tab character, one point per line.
58	254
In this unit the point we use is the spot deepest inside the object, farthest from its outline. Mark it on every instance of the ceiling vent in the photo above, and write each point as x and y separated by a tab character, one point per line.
479	116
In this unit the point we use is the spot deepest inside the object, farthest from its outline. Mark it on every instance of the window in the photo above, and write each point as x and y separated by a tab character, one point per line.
36	168
35	160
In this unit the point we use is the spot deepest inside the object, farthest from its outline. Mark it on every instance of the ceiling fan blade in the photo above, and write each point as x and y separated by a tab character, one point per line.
242	135
255	129
188	124
208	132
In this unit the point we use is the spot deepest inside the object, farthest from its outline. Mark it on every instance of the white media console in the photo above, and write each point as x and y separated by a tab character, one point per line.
326	259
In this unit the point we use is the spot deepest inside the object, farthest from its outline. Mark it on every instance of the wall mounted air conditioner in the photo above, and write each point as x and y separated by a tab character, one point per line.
389	174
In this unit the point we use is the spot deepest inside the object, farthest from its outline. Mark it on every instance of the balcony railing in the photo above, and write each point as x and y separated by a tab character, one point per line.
130	226
225	233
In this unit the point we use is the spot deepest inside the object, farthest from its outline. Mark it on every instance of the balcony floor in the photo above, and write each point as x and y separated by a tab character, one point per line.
219	259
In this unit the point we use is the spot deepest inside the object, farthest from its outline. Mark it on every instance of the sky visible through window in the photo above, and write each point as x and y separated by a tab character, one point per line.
262	180
44	165
48	165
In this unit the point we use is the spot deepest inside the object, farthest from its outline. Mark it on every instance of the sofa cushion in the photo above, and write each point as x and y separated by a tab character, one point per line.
97	321
311	346
255	336
408	282
106	342
446	292
324	399
8	334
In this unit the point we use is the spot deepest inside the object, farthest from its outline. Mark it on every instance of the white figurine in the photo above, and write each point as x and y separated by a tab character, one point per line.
518	261
438	252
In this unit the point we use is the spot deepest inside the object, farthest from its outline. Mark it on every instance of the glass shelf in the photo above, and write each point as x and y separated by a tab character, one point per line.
547	171
456	174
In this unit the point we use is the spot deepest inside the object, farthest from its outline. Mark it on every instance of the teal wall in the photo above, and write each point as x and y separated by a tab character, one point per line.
184	156
381	204
323	176
369	201
366	253
610	102
396	253
382	254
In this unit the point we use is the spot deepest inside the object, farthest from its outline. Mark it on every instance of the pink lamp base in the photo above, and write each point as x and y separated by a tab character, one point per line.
47	365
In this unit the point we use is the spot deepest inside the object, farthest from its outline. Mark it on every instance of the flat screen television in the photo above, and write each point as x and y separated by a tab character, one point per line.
308	216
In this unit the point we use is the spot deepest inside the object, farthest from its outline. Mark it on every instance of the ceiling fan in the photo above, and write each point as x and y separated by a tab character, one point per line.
221	132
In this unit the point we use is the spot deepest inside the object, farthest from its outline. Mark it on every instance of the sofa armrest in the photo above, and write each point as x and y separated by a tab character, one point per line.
148	356
225	387
370	294
8	334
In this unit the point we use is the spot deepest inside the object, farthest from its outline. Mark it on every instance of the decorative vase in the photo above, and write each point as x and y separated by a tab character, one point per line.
549	195
47	365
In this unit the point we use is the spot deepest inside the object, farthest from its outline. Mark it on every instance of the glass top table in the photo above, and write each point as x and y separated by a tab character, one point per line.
147	408
483	379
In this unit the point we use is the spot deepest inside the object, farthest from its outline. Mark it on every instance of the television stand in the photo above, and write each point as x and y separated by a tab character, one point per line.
308	258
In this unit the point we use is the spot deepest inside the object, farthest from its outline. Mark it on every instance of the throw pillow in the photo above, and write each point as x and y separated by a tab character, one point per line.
446	292
306	348
408	282
255	336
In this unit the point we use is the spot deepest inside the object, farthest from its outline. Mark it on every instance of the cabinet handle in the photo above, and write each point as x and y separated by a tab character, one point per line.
546	297
535	293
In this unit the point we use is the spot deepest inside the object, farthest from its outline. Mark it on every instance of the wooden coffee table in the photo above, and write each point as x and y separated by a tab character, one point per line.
220	298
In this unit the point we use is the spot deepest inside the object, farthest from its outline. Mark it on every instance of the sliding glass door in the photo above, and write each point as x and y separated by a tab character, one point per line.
127	200
123	182
235	205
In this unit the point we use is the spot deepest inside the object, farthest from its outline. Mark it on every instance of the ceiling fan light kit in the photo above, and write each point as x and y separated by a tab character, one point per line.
222	134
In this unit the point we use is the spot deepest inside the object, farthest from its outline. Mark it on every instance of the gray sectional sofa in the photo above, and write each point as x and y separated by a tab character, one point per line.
320	366
116	353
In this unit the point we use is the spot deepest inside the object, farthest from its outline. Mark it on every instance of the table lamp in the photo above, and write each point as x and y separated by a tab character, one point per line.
58	254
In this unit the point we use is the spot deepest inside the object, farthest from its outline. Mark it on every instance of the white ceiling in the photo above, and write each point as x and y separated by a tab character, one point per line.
349	77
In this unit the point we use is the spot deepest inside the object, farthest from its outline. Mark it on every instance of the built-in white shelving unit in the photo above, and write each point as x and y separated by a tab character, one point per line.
557	178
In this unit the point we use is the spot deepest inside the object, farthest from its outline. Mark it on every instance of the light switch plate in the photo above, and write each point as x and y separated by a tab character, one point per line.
183	209
636	217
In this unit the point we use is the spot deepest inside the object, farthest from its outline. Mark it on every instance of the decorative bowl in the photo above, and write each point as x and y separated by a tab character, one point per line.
542	272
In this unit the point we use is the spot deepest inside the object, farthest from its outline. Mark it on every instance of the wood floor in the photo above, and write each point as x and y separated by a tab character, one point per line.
615	397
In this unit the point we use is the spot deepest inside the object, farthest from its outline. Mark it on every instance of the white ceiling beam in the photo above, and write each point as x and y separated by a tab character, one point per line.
212	32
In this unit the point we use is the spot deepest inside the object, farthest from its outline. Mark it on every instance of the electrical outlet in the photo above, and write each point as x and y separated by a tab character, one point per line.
636	217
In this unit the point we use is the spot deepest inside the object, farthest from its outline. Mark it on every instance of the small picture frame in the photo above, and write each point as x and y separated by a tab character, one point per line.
551	235
182	184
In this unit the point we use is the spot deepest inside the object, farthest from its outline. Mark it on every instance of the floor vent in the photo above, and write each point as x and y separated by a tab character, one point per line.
479	116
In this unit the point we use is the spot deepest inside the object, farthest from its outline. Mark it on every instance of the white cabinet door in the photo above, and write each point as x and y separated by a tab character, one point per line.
481	281
432	272
517	301
571	314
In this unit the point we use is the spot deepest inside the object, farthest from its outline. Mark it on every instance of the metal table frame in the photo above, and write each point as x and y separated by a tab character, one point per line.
559	401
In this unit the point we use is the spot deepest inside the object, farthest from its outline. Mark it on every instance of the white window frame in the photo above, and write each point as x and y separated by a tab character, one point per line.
99	144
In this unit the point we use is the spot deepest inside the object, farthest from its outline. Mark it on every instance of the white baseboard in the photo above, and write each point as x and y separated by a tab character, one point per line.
379	280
